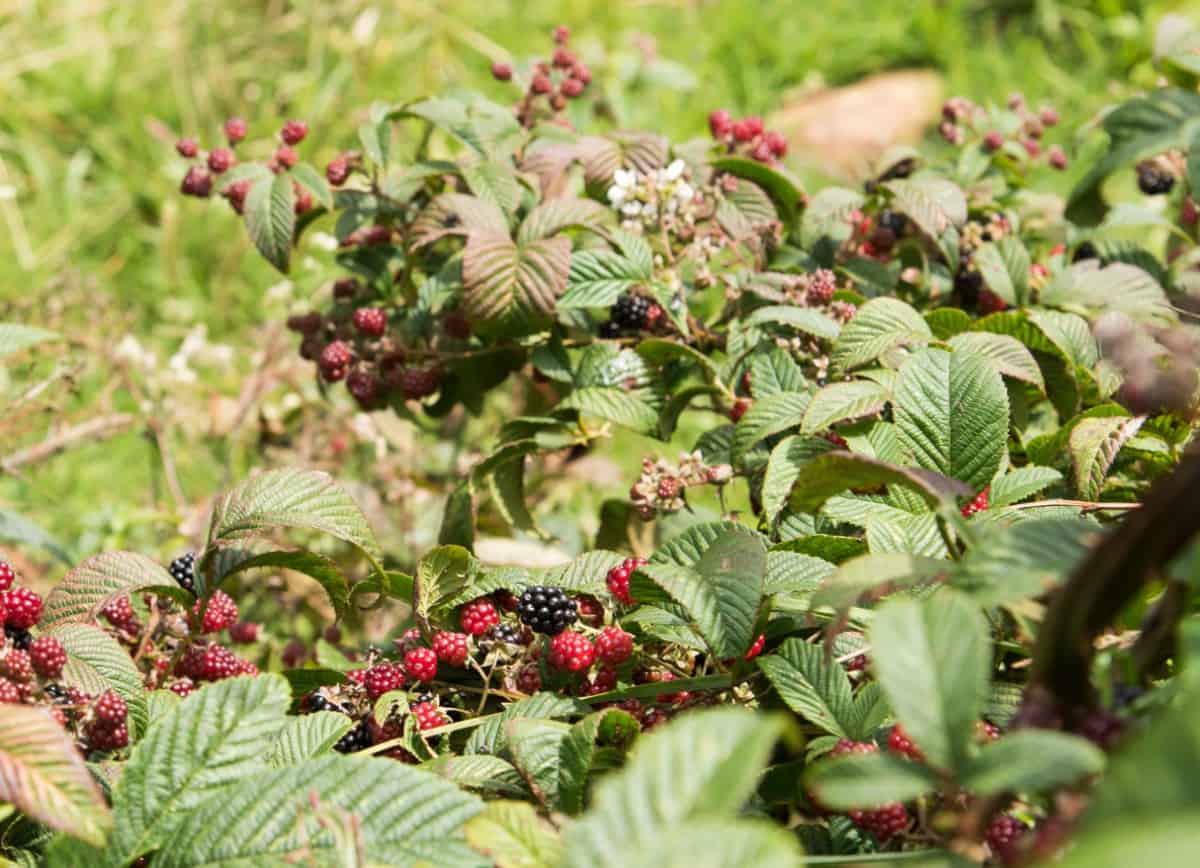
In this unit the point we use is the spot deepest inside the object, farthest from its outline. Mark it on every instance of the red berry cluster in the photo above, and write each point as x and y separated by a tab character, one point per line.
219	612
618	578
964	121
900	743
572	651
479	616
978	503
552	83
1005	836
747	137
451	648
105	728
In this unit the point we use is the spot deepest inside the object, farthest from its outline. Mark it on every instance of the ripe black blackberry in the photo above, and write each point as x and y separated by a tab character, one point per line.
548	611
509	634
20	638
630	312
1153	180
893	220
183	571
609	329
358	738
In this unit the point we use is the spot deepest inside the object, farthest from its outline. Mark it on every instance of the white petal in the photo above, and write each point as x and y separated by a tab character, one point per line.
625	177
675	170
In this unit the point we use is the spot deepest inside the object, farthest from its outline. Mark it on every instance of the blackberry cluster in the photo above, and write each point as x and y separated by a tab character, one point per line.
1153	180
21	639
630	312
548	611
183	571
509	634
358	738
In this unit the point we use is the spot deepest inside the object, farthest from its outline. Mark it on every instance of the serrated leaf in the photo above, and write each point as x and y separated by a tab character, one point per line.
878	326
1006	354
687	548
946	322
859	575
212	740
585	574
21	531
270	213
1016	485
1094	444
791	572
828	213
534	745
457	214
493	182
938	705
512	835
96	662
442	575
660	351
838	402
480	772
307	736
511	290
783	467
403	817
913	534
485	127
951	411
721	592
868	781
767	417
1023	560
313	565
1004	267
597	278
84	590
835	472
775	371
933	203
553	216
578	752
43	775
783	189
615	405
814	686
1090	290
491	737
1031	761
704	764
312	181
290	497
802	319
15	337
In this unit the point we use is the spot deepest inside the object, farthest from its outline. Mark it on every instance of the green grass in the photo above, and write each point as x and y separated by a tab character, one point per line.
95	239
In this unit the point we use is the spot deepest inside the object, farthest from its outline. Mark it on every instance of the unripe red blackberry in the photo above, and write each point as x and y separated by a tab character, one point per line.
614	645
720	123
235	130
571	651
22	607
236	194
119	612
541	84
48	656
1057	158
884	823
10	694
571	88
900	743
306	323
741	131
106	738
581	73
16	666
977	504
762	152
110	708
451	648
182	687
558	102
197	182
220	160
364	386
338	171
755	124
293	132
989	302
382	678
346	289
618	578
187	147
739	408
218	662
478	617
777	144
845	747
669	487
1032	147
456	325
417	383
1004	838
285	157
303	201
7	576
561	35
421	664
529	680
755	647
502	71
220	612
821	286
244	632
993	141
334	360
429	716
370	321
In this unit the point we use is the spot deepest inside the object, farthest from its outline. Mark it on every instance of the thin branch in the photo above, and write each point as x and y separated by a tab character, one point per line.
100	428
1083	505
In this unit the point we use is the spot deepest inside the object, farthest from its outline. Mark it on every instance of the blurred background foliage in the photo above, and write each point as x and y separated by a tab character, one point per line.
173	323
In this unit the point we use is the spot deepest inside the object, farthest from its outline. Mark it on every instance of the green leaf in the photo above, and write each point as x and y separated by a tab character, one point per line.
1090	290
270	214
721	592
938	704
534	745
802	319
933	203
487	128
312	181
1094	444
213	739
490	774
859	575
783	467
946	322
1032	761
597	278
96	662
704	764
768	417
457	214
289	497
878	326
783	189
21	531
868	781
775	371
512	835
491	737
1022	560
43	775
615	405
313	565
660	351
15	337
914	534
1016	485
687	548
951	412
579	750
376	141
307	736
1006	354
442	575
1004	267
790	572
828	213
511	290
553	216
719	843
814	686
87	588
494	182
585	574
402	817
837	402
835	472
